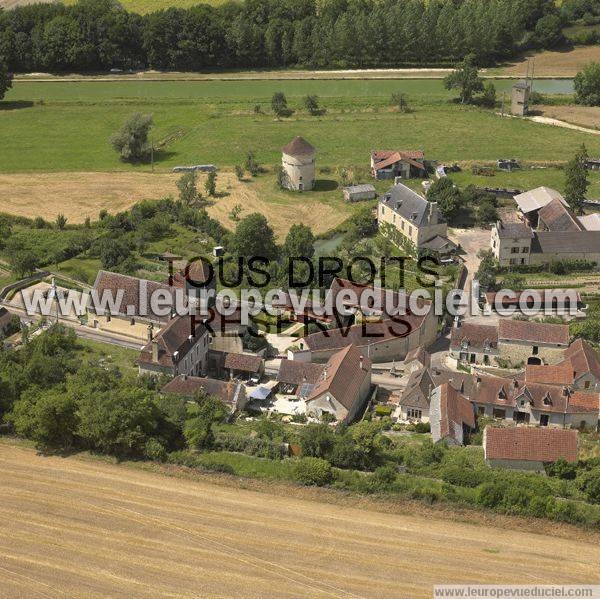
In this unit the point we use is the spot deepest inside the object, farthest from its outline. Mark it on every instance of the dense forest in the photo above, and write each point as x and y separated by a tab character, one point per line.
95	35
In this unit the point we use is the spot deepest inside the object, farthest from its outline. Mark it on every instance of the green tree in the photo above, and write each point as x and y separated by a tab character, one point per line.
489	95
254	237
398	99
576	180
488	267
188	190
132	140
317	440
548	31
23	262
447	195
299	241
114	252
311	103
587	85
466	79
210	185
61	221
5	79
279	104
203	414
251	164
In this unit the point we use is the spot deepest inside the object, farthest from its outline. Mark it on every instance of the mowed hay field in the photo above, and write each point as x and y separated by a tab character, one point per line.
80	195
81	528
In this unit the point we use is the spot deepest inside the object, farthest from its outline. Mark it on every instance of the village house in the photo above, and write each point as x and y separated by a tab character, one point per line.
511	243
298	378
180	347
133	315
474	344
231	393
529	203
530	449
580	369
413	401
195	277
389	164
343	388
451	415
416	359
524	402
512	341
409	219
298	165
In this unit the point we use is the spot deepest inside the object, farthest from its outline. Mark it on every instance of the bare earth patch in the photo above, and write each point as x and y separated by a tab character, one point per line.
556	64
74	527
585	116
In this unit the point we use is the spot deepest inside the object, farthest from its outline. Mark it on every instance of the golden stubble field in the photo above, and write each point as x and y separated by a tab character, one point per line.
78	195
76	527
556	63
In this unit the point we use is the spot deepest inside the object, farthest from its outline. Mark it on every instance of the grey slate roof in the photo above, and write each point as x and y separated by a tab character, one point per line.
410	205
566	242
513	230
365	187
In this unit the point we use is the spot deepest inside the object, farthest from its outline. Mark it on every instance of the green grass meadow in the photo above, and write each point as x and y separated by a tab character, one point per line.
66	126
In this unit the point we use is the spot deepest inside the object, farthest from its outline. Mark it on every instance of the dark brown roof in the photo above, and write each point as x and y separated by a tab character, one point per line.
476	335
534	332
418	389
296	373
566	242
557	374
132	288
198	272
454	408
557	217
188	386
530	444
514	230
298	147
173	338
343	376
420	354
379	155
243	362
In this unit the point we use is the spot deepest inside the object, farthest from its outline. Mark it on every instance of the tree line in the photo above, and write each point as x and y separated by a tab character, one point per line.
94	35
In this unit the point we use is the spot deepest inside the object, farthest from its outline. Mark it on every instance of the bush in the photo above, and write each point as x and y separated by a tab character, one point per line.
313	471
490	494
464	476
155	450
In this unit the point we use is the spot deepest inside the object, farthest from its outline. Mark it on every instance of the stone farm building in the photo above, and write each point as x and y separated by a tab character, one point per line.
514	341
298	164
545	230
451	415
389	164
530	449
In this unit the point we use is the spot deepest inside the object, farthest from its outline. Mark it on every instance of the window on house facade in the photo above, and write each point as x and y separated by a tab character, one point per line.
498	413
514	250
586	385
414	413
526	250
536	350
409	230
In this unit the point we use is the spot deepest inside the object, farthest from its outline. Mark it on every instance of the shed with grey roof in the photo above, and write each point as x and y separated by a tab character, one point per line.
355	193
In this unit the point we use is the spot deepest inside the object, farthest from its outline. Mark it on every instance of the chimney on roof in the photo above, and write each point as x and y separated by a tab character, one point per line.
478	379
431	213
360	363
192	325
154	350
566	391
184	377
175	356
150	332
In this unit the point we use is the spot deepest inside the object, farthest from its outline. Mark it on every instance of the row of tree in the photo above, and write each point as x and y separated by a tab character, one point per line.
100	34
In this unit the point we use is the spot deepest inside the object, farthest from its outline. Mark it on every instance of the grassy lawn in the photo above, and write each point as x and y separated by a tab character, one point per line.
67	126
113	355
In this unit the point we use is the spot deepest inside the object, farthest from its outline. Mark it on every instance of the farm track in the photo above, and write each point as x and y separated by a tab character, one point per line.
78	527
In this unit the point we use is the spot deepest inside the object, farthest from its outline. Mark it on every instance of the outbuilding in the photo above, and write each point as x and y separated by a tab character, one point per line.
356	193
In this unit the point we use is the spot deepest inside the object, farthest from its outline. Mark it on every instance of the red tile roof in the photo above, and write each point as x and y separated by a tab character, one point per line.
558	374
530	444
583	358
343	376
296	373
534	332
455	408
188	386
557	217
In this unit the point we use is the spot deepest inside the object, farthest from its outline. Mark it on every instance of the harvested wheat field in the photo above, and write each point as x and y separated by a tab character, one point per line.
76	527
585	116
79	195
556	64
